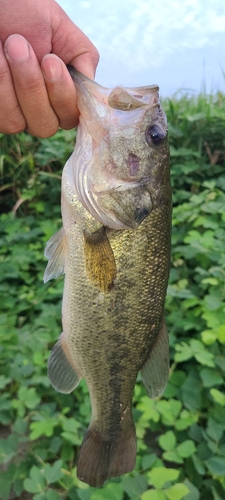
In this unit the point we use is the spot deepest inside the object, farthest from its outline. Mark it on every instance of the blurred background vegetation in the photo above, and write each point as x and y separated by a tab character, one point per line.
181	436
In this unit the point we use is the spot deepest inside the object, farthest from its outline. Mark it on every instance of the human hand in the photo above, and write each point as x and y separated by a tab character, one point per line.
37	40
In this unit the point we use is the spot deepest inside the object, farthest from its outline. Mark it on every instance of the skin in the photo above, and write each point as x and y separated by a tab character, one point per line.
37	41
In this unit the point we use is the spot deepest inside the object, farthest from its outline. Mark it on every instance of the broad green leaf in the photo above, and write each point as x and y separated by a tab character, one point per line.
161	475
19	406
169	410
71	437
43	428
36	482
186	448
212	303
175	406
29	396
210	377
172	456
153	495
170	391
148	460
211	281
185	420
214	430
70	424
178	377
201	354
6	481
167	441
218	396
53	473
184	352
134	486
212	320
53	495
221	334
148	407
205	358
177	492
84	493
20	426
8	448
39	496
199	466
216	465
113	491
55	444
4	381
191	391
216	495
194	493
208	336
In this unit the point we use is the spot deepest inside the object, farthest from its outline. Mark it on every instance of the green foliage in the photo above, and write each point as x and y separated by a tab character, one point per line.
181	436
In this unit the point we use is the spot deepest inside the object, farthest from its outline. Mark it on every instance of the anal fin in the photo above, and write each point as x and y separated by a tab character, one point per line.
62	374
155	372
55	252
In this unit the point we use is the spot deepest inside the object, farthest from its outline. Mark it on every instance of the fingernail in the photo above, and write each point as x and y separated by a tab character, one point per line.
16	48
51	67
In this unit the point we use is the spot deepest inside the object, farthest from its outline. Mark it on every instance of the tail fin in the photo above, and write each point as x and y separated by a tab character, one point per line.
100	460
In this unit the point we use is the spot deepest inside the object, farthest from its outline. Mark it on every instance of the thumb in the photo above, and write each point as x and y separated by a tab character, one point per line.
72	45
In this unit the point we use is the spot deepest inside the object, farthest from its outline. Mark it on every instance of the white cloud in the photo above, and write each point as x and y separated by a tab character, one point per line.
133	31
85	5
141	35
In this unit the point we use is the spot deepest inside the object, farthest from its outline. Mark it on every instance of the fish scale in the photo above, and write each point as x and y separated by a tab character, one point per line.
115	279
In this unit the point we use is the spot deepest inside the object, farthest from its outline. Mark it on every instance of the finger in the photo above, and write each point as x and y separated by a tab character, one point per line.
30	87
12	120
87	57
72	45
61	91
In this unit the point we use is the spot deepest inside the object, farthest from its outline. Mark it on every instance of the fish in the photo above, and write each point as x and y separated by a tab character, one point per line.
114	249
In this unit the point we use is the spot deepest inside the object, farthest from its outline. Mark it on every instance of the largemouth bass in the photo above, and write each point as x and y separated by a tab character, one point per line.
114	249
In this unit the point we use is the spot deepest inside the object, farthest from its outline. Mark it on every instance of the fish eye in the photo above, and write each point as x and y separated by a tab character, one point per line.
154	135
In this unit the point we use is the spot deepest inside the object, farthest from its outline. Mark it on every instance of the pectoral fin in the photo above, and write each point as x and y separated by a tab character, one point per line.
55	252
99	260
61	371
155	371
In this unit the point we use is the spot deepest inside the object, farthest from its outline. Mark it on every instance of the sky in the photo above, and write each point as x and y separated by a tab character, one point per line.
176	44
